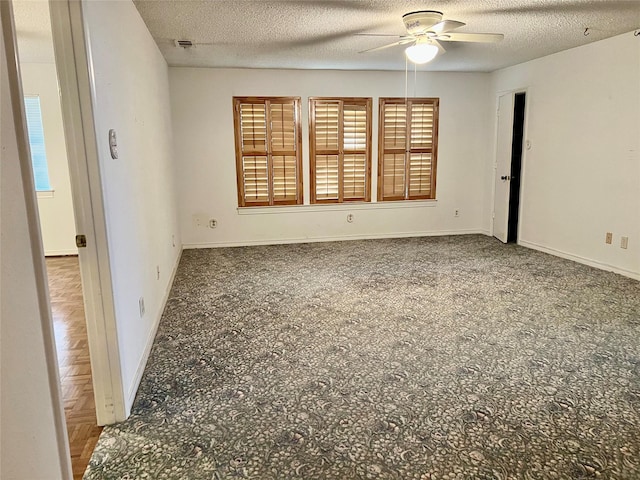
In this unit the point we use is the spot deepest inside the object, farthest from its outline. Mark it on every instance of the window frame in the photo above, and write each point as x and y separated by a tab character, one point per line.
367	102
267	101
44	164
433	150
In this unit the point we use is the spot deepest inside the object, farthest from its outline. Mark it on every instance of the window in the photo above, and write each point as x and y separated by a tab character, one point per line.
268	158
408	146
36	143
340	149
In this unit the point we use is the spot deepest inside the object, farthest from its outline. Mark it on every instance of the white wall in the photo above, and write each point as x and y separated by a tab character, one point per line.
132	96
581	177
29	446
56	211
205	157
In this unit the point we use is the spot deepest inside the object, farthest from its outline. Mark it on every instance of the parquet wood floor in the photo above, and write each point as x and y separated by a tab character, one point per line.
70	329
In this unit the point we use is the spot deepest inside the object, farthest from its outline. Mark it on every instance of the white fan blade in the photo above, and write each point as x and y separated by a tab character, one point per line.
441	49
377	35
446	26
471	37
400	42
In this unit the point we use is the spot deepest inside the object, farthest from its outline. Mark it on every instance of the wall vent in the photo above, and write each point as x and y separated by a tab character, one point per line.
184	43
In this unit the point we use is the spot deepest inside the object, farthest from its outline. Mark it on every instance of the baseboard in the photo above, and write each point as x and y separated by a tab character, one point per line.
579	259
131	395
60	253
280	241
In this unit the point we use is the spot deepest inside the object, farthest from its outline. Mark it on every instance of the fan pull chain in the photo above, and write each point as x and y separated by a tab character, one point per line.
415	78
406	79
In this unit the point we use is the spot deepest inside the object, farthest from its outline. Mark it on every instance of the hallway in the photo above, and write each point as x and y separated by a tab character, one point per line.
67	307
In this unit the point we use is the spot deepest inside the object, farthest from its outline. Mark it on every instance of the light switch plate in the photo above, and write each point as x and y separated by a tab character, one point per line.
624	242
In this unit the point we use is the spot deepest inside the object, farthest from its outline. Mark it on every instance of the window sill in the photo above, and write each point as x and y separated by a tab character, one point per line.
336	207
45	193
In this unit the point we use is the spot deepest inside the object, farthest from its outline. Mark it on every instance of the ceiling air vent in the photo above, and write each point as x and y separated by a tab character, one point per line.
184	43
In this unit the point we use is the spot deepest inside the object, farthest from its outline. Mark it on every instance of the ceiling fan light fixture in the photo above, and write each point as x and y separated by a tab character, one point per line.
421	53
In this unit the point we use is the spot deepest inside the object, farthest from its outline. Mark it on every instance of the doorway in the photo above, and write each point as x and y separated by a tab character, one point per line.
57	218
72	348
516	167
508	166
58	36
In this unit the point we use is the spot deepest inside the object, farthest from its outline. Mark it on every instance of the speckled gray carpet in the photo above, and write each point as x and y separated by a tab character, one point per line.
425	358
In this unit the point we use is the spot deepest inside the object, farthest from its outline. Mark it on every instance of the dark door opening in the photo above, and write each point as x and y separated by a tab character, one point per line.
516	166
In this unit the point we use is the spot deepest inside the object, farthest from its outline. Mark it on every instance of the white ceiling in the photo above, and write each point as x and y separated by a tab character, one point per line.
312	34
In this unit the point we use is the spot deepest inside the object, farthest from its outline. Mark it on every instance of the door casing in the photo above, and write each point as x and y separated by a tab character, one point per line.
504	195
74	78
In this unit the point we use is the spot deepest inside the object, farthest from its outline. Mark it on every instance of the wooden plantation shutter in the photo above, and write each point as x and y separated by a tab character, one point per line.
356	141
393	135
408	145
268	159
325	149
253	157
340	149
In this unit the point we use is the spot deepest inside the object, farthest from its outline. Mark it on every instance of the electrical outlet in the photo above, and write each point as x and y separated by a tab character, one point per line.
173	240
141	306
624	242
456	213
350	218
213	223
609	238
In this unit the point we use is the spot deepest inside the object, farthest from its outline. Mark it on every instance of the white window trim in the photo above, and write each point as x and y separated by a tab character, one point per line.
45	193
331	207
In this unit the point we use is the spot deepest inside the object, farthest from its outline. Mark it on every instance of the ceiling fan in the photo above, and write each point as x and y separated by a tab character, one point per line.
425	30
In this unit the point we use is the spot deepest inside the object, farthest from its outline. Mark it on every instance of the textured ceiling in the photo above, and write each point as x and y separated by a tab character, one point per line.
319	33
312	34
33	31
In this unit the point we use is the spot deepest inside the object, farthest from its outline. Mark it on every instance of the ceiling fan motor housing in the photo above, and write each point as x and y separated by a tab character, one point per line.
418	23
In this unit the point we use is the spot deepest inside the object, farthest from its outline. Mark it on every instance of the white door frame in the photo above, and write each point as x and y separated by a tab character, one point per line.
74	81
525	128
10	55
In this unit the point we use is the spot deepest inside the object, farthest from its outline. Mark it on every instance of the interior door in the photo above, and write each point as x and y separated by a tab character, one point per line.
502	170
